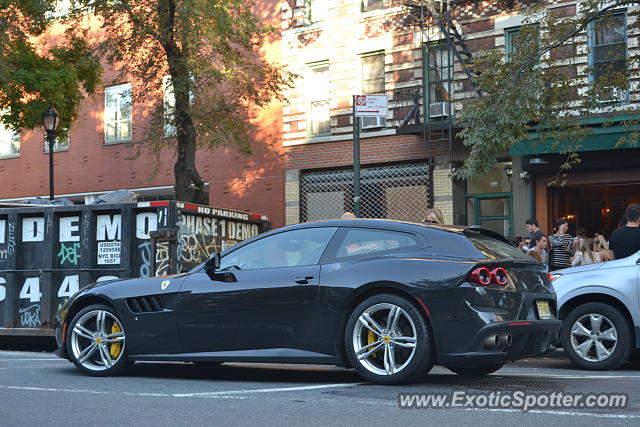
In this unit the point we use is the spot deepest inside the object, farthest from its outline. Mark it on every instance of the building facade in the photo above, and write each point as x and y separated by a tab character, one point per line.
101	153
348	47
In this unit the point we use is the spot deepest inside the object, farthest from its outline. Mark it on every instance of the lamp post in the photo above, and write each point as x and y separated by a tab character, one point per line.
50	120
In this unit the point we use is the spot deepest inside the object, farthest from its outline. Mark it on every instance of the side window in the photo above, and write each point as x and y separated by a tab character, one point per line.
365	241
288	249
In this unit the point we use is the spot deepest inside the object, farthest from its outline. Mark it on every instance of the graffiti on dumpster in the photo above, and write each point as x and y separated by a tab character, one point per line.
11	238
30	316
144	249
162	258
69	253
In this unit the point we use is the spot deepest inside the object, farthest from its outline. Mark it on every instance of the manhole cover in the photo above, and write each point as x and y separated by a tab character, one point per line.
507	384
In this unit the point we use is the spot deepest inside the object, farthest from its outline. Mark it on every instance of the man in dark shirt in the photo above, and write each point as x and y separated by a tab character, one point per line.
625	241
532	227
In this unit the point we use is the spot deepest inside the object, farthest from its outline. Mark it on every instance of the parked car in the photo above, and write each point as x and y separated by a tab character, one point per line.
600	306
388	298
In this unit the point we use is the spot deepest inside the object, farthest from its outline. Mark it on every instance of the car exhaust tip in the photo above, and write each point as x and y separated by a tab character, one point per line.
491	342
505	340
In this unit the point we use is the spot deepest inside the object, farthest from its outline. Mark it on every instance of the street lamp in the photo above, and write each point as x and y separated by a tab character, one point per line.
50	120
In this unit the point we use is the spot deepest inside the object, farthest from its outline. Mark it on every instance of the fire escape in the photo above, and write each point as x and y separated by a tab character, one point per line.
429	109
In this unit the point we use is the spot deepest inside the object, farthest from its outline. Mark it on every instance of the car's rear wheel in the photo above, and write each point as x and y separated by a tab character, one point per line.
96	341
475	370
596	336
388	340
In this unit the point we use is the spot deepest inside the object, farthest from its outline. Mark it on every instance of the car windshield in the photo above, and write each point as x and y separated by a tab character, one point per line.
494	248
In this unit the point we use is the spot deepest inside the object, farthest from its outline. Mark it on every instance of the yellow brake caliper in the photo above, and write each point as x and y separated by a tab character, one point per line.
116	347
371	338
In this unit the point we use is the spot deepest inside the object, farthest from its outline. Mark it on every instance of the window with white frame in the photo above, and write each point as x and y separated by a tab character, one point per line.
169	105
316	11
608	42
368	5
117	113
60	143
9	142
373	84
317	87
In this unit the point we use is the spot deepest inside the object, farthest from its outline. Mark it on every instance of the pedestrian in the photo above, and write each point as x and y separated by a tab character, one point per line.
524	246
585	254
539	250
601	246
434	216
534	229
347	215
560	246
625	241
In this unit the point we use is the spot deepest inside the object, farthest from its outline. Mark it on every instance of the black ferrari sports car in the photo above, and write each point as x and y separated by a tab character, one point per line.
388	298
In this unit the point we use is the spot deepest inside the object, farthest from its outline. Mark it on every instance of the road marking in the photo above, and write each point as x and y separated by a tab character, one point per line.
266	390
229	394
543	376
550	412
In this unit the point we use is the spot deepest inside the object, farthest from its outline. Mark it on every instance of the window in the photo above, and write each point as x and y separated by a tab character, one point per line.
608	41
319	117
366	241
316	11
117	113
288	249
60	144
169	105
9	142
373	84
440	66
510	41
368	5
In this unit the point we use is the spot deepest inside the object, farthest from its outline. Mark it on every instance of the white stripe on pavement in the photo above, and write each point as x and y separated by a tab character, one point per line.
231	394
41	358
266	390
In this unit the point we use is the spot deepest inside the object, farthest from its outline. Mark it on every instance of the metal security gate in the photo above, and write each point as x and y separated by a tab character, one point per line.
394	192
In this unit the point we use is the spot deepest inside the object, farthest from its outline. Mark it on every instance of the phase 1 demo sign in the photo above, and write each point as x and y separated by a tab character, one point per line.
370	105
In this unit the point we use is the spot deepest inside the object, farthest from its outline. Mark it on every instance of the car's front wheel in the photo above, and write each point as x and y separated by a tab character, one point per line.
596	336
96	341
388	340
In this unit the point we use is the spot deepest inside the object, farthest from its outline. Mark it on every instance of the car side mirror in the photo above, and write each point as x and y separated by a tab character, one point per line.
212	264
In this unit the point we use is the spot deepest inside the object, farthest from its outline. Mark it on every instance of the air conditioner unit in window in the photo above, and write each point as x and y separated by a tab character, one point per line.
373	122
616	95
439	109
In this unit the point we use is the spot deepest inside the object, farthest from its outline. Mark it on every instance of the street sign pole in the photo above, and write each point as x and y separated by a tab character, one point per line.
356	162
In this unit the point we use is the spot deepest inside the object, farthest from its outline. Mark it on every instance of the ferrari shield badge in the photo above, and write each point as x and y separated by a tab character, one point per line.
165	284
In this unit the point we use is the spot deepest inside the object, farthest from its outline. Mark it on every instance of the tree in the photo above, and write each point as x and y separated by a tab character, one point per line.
209	49
536	88
33	77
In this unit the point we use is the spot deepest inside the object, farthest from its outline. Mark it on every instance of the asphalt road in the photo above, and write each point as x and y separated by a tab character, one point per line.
40	389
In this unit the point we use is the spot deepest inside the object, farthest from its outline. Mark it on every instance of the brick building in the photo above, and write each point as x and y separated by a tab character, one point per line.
349	47
96	157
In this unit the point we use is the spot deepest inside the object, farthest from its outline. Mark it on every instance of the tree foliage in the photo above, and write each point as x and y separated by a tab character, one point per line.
209	49
538	88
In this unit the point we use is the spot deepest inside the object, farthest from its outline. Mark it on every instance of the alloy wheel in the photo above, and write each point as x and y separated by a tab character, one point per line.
97	340
384	339
594	337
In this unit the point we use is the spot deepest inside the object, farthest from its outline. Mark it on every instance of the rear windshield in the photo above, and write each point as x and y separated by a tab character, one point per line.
494	248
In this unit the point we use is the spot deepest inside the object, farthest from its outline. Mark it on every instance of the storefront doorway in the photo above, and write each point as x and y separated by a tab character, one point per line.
593	208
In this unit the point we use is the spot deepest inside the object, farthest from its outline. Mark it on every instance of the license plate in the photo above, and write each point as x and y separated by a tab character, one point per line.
544	312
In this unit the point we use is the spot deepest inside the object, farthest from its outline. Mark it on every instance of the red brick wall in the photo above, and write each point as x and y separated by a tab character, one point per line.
253	183
372	150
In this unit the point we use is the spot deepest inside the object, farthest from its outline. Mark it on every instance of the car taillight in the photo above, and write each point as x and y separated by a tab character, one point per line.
481	276
499	276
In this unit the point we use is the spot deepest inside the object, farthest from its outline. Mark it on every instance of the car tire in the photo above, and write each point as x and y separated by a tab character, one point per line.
475	370
389	341
592	330
96	341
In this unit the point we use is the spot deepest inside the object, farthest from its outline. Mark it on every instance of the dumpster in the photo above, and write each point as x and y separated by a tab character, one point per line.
47	253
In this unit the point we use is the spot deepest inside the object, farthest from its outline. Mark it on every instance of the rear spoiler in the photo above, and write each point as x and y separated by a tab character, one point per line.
476	229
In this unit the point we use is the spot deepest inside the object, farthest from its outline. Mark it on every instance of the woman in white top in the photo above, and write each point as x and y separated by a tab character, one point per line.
586	255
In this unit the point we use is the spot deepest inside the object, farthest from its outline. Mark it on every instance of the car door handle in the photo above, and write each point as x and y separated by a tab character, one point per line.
303	280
